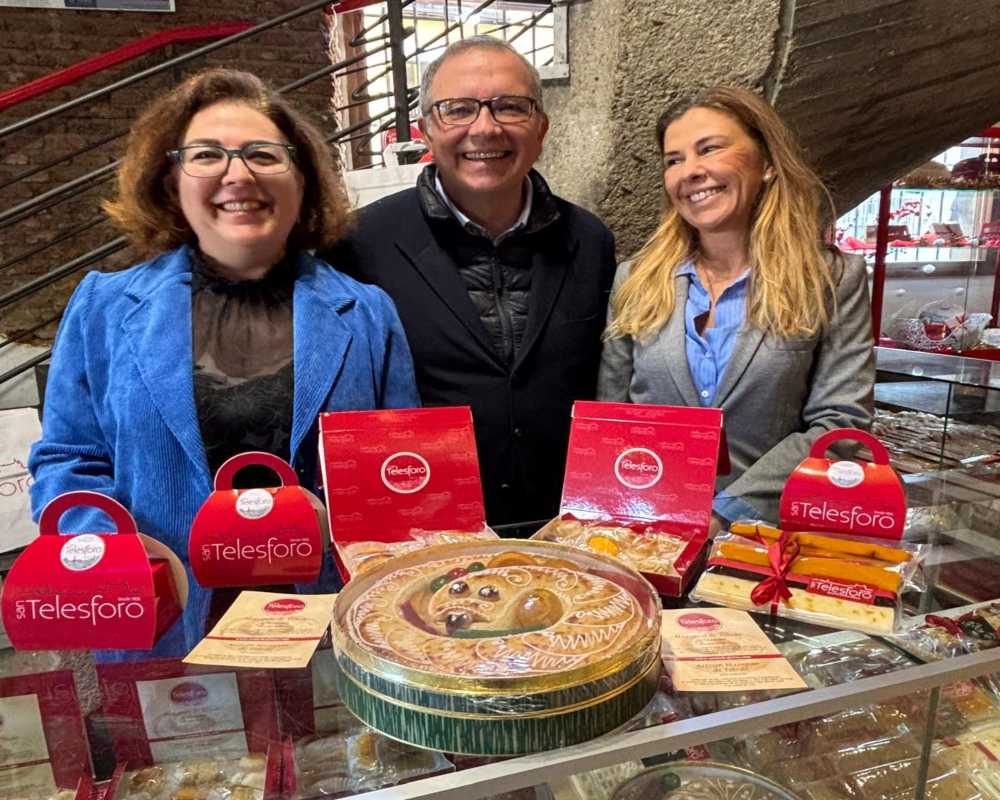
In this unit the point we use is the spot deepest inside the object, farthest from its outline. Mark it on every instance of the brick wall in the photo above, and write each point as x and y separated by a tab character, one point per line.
39	42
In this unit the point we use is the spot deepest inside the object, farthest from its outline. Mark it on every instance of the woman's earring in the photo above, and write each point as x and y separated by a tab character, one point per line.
768	175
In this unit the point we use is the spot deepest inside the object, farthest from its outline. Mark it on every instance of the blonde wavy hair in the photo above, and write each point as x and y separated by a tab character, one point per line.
791	286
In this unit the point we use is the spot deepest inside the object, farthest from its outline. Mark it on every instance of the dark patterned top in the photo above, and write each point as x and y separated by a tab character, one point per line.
243	372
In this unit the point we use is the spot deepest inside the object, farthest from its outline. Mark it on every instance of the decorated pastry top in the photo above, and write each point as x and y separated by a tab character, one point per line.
498	613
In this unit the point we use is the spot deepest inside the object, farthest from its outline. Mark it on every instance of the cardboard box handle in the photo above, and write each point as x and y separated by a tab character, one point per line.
48	523
879	453
224	477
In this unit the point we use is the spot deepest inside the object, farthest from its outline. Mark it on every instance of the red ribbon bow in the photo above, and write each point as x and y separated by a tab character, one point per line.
944	622
780	555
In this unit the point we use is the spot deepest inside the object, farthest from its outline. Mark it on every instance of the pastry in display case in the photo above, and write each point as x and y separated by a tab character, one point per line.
639	545
208	779
497	648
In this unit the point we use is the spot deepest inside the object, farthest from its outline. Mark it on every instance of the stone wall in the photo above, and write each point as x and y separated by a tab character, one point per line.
38	42
872	87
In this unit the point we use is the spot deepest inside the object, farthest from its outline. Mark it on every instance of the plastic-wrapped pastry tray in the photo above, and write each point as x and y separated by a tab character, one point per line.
497	648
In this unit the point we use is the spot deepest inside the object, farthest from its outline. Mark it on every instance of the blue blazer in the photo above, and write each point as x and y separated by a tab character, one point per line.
119	404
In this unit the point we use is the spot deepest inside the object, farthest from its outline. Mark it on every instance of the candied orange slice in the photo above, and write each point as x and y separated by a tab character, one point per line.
602	544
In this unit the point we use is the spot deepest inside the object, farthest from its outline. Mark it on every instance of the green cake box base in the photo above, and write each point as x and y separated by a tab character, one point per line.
508	729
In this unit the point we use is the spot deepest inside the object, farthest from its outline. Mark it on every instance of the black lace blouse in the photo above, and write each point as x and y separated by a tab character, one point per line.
243	380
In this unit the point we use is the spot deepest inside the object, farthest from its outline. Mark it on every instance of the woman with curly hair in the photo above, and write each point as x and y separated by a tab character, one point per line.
735	302
230	337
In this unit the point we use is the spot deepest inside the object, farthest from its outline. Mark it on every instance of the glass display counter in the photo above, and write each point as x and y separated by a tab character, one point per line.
931	241
936	411
882	717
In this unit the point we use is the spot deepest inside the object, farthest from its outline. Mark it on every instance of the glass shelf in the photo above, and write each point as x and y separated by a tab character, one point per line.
953	369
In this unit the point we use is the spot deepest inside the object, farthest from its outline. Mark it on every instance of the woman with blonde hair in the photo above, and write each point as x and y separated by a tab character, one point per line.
736	303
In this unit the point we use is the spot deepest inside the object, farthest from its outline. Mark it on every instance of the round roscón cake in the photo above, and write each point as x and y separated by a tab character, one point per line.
500	647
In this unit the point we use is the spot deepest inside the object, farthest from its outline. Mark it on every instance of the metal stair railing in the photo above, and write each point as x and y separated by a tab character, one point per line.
397	115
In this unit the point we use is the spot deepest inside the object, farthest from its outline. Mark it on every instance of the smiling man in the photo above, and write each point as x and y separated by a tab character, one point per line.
501	285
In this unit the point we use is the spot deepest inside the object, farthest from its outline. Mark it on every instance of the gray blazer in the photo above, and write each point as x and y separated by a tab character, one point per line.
777	396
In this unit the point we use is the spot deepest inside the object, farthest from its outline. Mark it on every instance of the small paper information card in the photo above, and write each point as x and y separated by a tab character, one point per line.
722	650
266	630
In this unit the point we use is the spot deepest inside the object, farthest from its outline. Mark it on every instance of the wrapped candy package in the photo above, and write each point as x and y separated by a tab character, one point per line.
248	778
340	766
497	648
840	581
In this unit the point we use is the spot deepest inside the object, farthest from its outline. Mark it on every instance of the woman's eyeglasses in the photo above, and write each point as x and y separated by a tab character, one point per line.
211	161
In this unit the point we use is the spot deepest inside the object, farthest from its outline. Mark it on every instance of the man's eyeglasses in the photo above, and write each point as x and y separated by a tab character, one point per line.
210	161
507	108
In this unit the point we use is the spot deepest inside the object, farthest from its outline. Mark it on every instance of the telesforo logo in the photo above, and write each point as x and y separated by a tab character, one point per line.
286	606
700	622
188	693
254	503
93	610
638	468
846	474
405	472
82	552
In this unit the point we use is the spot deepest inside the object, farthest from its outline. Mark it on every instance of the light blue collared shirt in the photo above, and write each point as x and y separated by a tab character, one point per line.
522	220
708	355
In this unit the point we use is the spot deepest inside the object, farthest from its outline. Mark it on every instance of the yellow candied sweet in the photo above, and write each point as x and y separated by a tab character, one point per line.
191	793
602	544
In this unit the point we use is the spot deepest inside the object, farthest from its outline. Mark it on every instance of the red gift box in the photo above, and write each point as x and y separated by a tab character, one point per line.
844	496
92	591
257	537
388	474
645	467
164	710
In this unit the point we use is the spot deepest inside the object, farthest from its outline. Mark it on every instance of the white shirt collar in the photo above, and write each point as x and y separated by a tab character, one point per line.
521	221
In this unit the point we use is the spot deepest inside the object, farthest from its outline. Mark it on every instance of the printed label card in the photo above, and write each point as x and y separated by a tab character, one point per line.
266	630
188	716
25	768
722	650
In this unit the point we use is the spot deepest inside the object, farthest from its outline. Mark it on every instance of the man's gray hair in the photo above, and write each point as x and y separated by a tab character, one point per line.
475	43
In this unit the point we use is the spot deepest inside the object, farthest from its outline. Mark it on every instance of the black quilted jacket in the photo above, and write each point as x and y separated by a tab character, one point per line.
514	331
497	276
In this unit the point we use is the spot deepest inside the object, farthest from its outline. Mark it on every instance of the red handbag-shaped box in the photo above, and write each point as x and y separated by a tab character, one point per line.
842	496
92	591
257	537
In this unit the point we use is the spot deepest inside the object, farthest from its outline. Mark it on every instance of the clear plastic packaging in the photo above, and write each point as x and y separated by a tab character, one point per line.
664	554
362	556
208	779
340	766
525	645
839	581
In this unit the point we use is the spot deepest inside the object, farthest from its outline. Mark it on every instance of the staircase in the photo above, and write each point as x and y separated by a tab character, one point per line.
362	86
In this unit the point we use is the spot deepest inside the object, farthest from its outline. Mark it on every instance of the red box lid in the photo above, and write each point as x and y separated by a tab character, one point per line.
387	472
642	462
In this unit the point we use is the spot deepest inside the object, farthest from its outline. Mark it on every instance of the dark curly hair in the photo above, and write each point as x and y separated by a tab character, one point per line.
147	209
